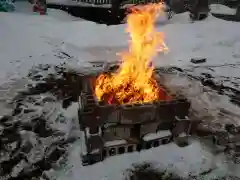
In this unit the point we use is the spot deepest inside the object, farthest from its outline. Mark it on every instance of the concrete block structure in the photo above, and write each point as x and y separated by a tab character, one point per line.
109	129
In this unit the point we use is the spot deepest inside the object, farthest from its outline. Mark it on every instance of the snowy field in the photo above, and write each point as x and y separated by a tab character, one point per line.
28	39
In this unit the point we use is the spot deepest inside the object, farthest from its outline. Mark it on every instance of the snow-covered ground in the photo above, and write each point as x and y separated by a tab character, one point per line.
221	9
28	39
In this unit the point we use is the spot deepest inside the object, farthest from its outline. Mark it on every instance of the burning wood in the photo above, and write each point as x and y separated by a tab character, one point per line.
134	82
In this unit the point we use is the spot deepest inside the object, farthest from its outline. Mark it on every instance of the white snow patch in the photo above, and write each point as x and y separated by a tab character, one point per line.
207	104
115	143
71	111
83	143
159	134
221	9
47	37
182	134
170	156
94	151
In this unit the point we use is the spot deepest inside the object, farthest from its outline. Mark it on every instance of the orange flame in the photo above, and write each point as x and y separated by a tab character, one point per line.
134	82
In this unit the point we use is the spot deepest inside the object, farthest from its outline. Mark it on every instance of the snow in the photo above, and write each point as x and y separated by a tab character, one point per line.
168	156
196	41
49	37
95	151
83	144
28	39
115	142
159	134
182	134
221	9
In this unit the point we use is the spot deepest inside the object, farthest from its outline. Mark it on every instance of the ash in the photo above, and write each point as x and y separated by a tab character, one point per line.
36	134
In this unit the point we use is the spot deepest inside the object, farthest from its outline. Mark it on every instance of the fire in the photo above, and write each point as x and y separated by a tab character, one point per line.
134	82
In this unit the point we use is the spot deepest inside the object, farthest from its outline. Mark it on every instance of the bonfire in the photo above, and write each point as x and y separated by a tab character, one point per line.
134	81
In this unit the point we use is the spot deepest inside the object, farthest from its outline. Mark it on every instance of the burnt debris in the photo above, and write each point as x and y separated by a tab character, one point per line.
147	171
198	60
57	80
23	146
217	84
29	144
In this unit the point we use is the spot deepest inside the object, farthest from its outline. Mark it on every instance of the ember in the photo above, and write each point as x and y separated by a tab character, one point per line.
134	82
